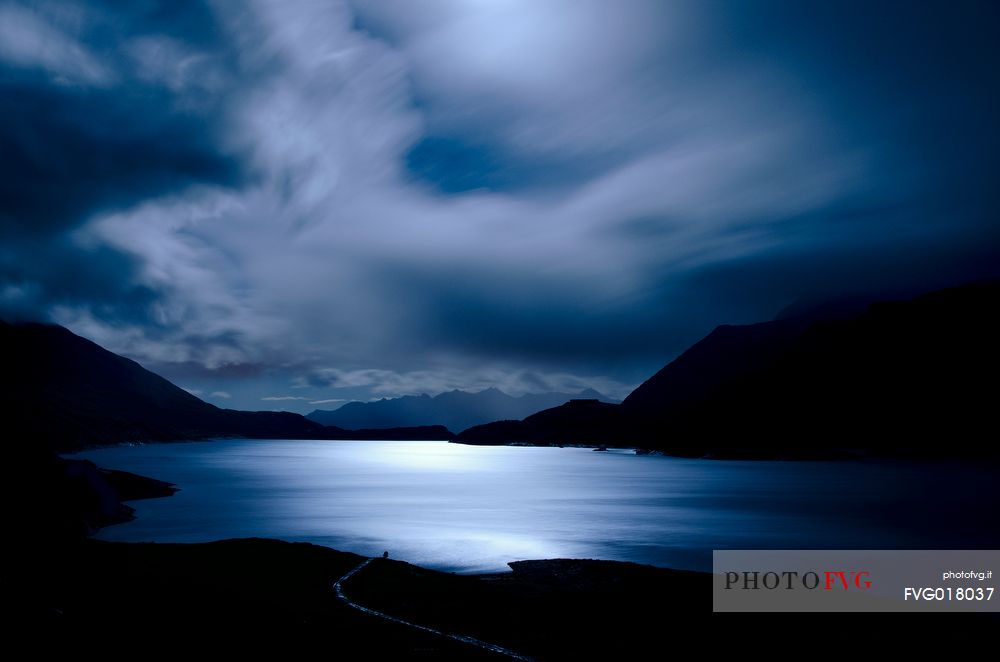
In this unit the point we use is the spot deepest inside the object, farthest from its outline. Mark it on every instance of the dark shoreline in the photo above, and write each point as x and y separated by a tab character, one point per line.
241	594
280	591
67	586
244	594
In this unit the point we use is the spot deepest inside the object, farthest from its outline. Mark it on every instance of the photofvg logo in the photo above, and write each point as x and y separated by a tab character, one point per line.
854	580
790	580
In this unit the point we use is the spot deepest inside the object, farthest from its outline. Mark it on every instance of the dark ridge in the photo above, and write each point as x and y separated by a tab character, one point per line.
904	378
456	410
62	392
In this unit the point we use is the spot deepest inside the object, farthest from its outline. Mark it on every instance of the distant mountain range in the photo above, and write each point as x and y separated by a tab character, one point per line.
456	410
913	377
63	392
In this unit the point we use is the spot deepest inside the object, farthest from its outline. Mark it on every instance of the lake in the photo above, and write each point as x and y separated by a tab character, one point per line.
474	508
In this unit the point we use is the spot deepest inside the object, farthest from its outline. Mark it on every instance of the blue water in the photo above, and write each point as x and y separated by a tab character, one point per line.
473	509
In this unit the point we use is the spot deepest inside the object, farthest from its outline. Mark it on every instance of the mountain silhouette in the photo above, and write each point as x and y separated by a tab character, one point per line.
456	410
914	377
63	392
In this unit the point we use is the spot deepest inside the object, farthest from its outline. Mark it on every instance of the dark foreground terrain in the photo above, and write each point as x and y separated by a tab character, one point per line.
248	593
254	595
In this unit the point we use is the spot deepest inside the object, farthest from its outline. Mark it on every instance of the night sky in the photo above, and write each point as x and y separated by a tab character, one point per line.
285	205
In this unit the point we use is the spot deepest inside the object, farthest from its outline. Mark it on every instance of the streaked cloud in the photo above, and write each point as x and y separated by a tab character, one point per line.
34	40
363	199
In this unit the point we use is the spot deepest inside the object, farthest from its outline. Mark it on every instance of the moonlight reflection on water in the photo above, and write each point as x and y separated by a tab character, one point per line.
473	509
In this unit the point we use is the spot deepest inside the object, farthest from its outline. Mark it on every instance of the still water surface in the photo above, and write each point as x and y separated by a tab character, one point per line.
472	509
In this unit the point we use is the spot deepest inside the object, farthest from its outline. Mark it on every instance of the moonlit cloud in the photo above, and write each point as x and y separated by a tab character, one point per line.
32	41
363	199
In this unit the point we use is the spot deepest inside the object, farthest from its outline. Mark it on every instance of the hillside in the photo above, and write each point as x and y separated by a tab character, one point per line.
901	378
456	410
63	392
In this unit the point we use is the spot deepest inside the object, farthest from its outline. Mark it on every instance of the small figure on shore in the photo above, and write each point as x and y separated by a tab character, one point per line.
385	554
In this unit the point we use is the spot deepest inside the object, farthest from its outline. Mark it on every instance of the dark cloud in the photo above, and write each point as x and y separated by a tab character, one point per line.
71	152
38	273
93	122
347	200
186	371
456	165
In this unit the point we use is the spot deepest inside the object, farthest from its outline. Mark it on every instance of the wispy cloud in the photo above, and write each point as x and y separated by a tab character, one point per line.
393	197
388	383
32	39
